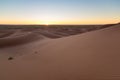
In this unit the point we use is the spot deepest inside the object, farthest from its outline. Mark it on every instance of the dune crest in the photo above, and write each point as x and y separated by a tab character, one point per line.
18	37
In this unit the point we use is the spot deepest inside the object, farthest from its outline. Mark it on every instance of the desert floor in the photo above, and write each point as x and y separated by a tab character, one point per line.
42	55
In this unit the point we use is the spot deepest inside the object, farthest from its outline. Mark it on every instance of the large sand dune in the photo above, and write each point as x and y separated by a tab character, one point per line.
12	35
18	37
89	56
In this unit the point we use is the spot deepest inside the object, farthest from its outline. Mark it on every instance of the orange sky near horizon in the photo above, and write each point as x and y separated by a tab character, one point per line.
49	22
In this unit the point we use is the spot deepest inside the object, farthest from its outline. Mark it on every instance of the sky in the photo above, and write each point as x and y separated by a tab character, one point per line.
59	11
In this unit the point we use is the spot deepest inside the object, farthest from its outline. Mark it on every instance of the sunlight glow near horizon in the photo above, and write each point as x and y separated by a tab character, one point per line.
50	12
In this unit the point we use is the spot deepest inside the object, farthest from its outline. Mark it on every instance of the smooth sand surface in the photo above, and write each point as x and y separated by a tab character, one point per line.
89	56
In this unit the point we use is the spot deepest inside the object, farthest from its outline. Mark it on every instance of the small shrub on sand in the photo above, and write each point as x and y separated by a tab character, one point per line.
10	58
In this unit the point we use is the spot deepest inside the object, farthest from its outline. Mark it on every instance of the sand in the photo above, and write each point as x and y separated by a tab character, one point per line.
89	56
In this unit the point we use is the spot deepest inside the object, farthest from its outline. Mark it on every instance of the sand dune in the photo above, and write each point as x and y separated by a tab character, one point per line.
5	33
17	37
12	35
89	56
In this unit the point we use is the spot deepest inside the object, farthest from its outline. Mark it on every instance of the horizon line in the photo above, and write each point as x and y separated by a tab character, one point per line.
60	24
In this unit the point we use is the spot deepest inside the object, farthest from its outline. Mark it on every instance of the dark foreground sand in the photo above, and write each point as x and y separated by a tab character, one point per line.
90	56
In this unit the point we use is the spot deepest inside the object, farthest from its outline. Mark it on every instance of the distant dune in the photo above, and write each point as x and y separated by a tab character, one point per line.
18	34
93	55
18	37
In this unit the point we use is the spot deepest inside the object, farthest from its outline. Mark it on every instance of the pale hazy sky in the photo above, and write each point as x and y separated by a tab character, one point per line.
59	11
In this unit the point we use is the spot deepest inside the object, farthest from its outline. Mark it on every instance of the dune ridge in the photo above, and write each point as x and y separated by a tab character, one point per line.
20	39
19	35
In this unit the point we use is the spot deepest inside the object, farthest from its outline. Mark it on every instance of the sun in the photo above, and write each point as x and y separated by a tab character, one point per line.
46	24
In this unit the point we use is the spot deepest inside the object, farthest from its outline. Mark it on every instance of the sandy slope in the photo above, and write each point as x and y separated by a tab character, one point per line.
18	37
90	56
